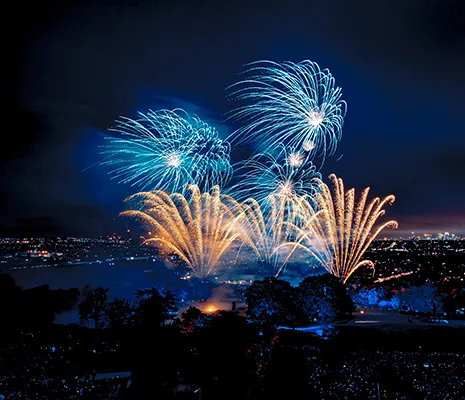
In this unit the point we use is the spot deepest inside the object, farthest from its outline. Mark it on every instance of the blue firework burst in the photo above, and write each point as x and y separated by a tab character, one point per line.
288	174
167	150
296	104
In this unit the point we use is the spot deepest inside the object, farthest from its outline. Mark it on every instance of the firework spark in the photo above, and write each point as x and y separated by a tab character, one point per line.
308	145
343	230
297	104
167	150
198	230
295	159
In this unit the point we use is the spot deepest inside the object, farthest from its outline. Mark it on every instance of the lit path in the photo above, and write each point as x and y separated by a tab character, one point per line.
376	316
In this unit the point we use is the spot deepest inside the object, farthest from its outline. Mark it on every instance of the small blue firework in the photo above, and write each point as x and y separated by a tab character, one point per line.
296	104
167	150
288	175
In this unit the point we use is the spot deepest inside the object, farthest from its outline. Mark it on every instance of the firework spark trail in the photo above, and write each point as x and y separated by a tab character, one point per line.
198	229
388	278
297	104
289	175
264	229
167	150
343	230
273	190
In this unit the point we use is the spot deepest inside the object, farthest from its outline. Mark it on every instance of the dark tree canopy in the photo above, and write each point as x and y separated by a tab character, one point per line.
119	313
33	308
271	301
153	308
324	297
321	298
93	306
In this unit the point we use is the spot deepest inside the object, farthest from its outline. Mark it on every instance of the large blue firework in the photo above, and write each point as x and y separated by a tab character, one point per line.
167	150
288	174
296	104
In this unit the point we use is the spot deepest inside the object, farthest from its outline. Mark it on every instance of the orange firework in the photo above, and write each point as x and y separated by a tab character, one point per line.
198	230
342	230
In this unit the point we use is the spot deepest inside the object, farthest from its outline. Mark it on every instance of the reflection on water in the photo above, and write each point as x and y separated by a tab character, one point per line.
123	278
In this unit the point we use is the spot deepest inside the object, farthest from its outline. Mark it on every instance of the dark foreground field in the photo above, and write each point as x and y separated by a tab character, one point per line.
388	338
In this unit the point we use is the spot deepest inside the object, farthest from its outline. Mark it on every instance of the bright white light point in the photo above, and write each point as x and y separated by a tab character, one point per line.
295	159
315	118
174	160
308	145
211	309
286	188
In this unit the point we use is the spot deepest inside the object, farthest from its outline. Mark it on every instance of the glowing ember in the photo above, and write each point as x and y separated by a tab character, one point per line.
211	309
308	145
295	159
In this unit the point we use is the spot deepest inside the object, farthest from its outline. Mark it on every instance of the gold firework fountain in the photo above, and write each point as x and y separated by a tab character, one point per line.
198	229
340	232
265	228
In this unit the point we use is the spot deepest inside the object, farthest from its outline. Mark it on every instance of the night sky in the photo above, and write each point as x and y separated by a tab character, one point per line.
74	67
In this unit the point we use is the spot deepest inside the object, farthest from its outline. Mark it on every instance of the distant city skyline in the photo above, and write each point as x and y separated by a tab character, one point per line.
444	235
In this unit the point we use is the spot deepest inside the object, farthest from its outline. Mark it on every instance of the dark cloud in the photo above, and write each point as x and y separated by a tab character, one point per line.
76	66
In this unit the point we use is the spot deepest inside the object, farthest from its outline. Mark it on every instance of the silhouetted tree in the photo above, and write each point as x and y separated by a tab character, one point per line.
324	297
9	302
33	308
271	302
155	344
220	363
426	298
455	299
8	286
36	307
193	319
153	309
368	297
93	306
118	313
64	299
171	302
